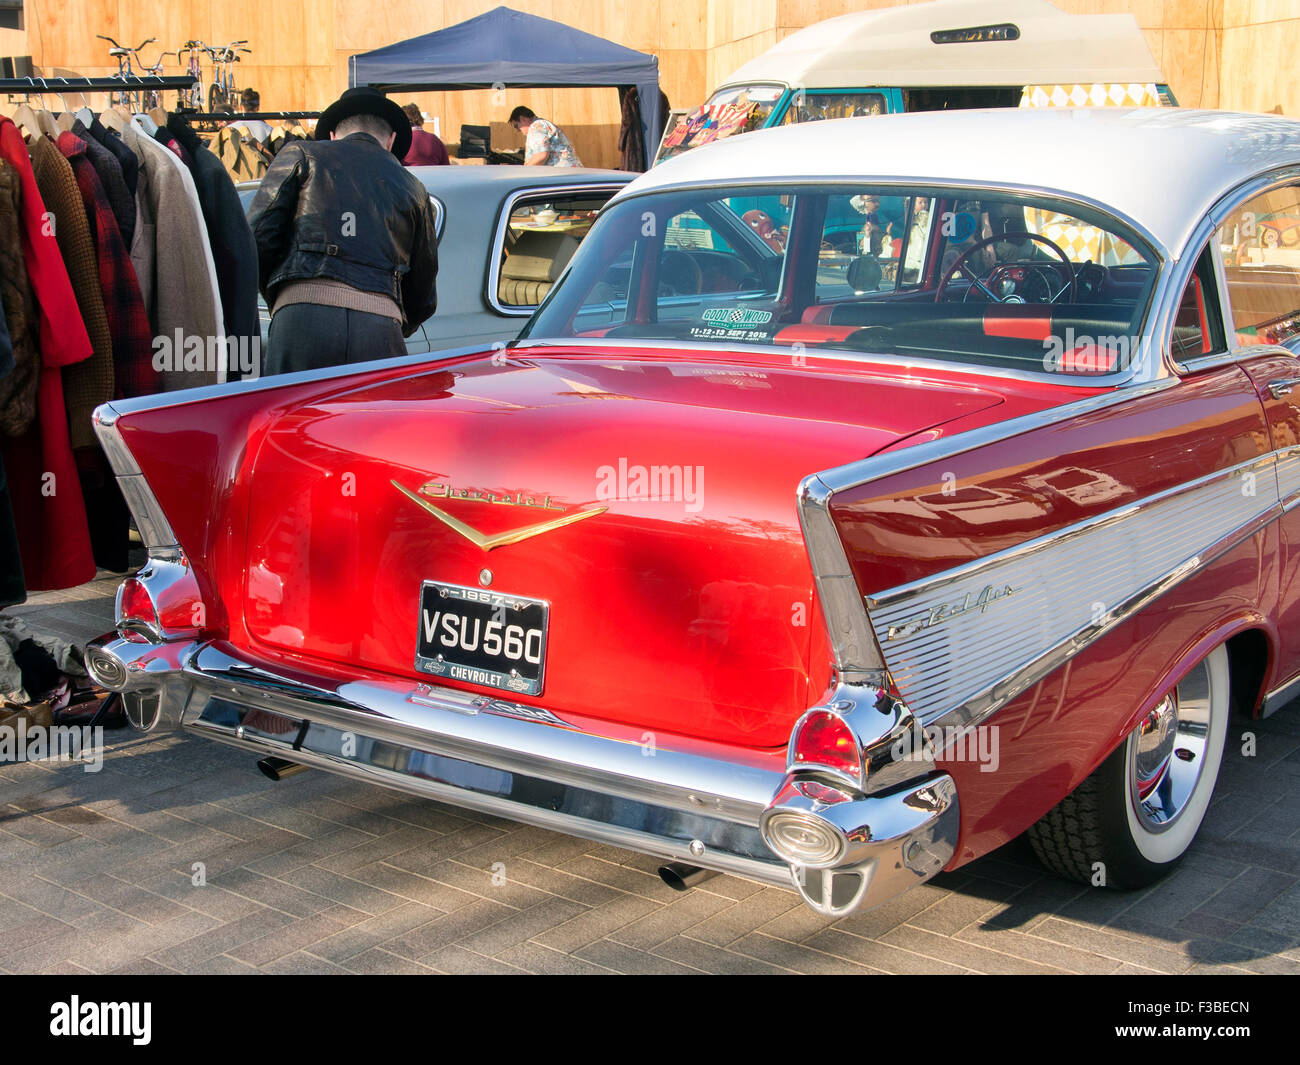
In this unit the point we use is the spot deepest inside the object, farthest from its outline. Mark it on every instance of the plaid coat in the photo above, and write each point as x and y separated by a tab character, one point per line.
133	368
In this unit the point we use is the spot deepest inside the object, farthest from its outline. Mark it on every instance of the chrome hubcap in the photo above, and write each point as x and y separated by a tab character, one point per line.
1167	752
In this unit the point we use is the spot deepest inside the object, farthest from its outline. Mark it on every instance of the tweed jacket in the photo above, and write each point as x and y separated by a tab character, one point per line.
18	387
90	383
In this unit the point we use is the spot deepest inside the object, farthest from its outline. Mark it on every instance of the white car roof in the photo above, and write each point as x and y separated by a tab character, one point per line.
1161	168
892	47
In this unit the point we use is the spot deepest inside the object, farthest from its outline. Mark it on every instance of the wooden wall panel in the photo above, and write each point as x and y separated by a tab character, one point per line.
1214	52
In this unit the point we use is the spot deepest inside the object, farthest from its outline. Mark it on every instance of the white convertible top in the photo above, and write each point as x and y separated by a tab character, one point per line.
1161	167
892	47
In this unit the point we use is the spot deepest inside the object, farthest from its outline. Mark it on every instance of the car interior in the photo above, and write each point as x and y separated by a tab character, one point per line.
841	277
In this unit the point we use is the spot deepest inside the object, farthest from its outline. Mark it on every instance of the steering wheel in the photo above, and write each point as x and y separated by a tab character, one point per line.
679	274
1011	236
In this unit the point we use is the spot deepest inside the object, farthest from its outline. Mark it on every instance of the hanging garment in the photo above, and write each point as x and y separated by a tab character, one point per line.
126	159
168	140
109	172
243	160
142	247
12	588
631	139
51	517
286	134
234	251
134	372
18	387
6	346
185	292
90	382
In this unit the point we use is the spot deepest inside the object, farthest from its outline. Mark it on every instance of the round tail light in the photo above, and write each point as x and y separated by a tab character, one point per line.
825	741
135	605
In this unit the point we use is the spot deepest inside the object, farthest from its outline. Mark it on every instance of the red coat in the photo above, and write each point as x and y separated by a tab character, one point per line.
43	482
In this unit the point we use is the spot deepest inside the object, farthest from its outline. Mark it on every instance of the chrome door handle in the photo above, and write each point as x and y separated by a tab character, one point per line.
1282	386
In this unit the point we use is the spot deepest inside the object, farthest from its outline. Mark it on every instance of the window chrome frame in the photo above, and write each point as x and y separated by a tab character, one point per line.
524	310
1151	363
1224	208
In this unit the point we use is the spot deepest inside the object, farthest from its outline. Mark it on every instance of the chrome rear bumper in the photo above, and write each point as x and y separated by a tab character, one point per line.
679	799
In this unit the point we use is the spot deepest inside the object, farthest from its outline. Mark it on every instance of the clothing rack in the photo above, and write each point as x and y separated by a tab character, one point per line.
111	83
266	116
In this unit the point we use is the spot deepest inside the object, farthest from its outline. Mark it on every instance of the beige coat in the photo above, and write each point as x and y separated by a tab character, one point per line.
171	254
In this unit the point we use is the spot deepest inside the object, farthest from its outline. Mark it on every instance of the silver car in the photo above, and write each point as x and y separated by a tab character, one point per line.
505	234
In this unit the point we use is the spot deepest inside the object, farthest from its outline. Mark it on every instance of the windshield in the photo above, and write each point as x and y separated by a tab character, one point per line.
995	279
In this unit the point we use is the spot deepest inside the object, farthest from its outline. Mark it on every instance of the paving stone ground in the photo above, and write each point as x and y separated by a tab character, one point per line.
319	874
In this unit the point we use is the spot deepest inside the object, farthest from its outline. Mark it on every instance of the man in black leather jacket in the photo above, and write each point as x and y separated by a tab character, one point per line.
347	249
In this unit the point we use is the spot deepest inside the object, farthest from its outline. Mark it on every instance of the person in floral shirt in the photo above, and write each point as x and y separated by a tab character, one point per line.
546	144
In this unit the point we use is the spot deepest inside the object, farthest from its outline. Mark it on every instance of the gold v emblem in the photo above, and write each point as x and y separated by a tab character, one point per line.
487	543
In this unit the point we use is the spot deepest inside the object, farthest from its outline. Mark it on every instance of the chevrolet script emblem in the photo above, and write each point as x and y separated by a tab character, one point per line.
487	543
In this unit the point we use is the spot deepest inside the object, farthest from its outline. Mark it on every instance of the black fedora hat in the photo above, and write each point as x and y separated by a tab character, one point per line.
363	100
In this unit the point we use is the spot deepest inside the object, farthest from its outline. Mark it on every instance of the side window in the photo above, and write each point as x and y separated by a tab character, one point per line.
817	106
1198	326
862	236
540	237
1261	260
439	216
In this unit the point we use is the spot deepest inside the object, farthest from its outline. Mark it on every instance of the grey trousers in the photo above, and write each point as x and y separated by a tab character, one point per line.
306	336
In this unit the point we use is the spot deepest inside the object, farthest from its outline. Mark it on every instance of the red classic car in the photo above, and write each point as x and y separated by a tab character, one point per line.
827	563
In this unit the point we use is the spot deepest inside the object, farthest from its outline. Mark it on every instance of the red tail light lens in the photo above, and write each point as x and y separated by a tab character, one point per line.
825	741
134	605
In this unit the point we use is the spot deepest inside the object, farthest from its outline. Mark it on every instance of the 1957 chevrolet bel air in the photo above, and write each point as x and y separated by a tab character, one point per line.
829	561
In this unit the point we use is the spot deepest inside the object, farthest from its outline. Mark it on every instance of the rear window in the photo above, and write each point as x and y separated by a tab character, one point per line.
995	279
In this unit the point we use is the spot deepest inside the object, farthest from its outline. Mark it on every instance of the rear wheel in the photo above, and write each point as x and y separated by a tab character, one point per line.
1130	823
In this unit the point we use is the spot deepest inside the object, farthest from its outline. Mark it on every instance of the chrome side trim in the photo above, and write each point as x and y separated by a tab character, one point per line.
154	529
956	667
1280	697
853	639
886	464
1288	477
1220	213
499	240
857	654
121	407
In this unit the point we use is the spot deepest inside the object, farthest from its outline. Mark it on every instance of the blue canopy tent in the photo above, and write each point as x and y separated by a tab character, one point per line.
511	49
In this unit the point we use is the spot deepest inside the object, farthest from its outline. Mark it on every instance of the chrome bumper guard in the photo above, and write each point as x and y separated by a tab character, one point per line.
694	802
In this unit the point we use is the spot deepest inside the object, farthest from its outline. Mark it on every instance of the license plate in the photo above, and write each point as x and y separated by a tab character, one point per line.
482	637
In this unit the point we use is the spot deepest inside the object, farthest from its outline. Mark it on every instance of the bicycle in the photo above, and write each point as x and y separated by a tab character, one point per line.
123	56
192	99
223	91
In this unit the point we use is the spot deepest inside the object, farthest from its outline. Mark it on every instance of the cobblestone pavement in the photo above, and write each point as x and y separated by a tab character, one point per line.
319	874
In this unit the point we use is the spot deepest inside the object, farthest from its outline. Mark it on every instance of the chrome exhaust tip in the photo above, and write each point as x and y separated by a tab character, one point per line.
681	877
277	768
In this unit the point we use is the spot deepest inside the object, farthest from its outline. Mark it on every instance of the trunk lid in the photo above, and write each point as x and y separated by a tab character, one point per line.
678	589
